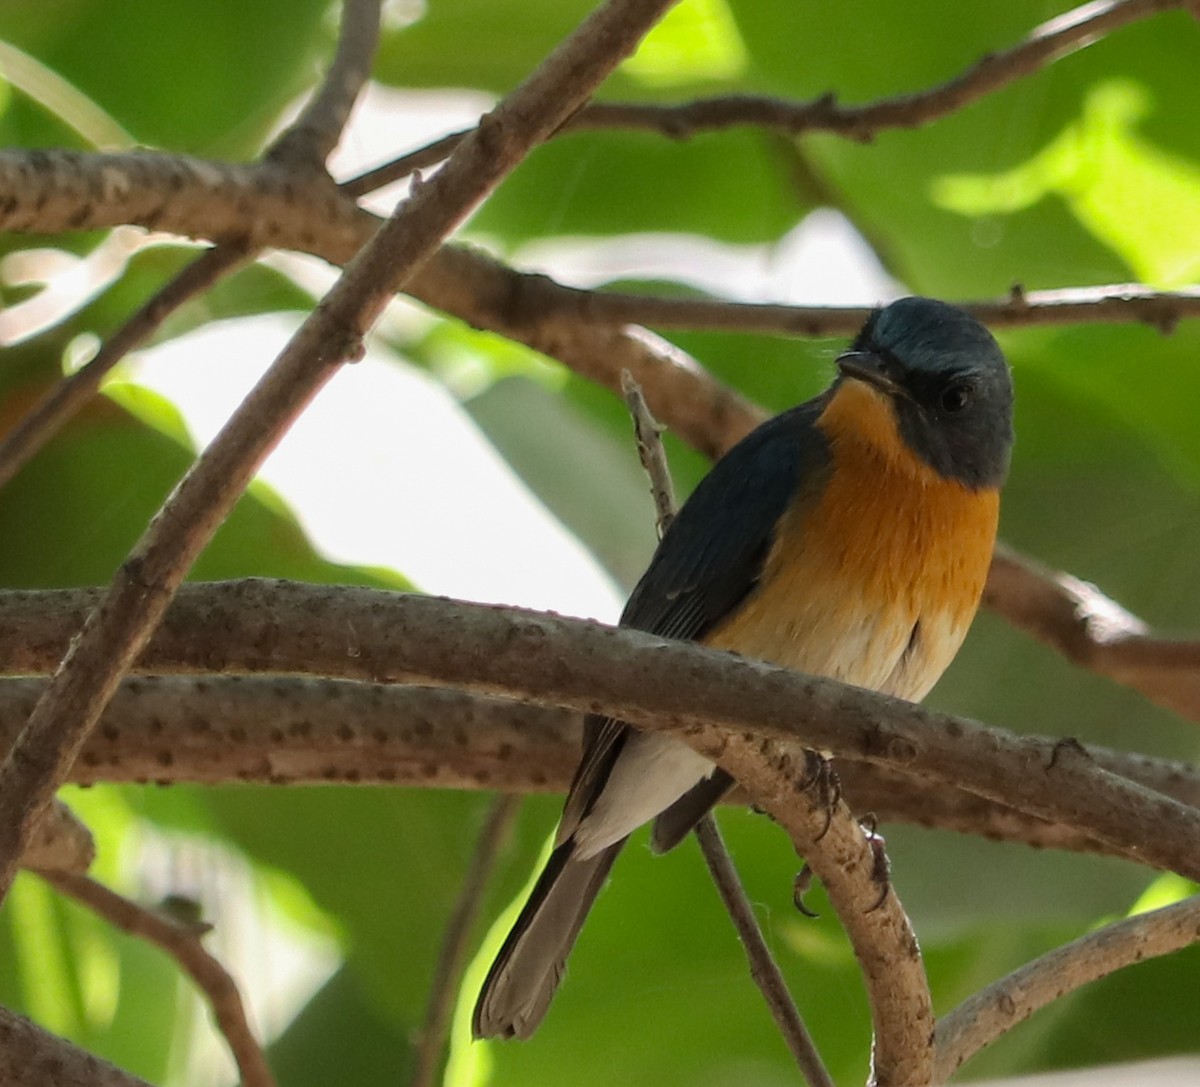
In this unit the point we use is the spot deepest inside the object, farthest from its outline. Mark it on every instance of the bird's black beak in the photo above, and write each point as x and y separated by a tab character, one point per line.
868	368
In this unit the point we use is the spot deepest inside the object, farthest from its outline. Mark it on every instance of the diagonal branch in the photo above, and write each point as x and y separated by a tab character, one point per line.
452	959
123	621
183	945
1094	632
763	968
46	418
305	143
1047	43
309	139
985	1016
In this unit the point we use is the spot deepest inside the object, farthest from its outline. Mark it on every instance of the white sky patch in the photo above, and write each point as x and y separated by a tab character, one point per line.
385	468
823	260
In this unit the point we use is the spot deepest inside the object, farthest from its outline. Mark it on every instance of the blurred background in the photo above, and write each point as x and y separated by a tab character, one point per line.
454	462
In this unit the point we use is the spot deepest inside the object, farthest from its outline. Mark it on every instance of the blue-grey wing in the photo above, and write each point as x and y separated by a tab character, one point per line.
709	561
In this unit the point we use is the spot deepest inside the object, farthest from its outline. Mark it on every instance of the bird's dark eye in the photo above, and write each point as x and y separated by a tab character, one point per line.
955	397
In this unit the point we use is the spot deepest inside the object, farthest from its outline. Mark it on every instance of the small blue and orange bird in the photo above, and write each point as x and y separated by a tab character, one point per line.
848	537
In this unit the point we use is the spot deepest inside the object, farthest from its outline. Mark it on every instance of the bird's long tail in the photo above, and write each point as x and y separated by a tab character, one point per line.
523	978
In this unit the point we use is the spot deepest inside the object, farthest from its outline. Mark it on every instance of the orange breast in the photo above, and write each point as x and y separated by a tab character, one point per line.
876	580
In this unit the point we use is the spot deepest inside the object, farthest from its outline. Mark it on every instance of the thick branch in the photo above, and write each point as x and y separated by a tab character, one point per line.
982	1018
298	731
125	618
32	1057
701	694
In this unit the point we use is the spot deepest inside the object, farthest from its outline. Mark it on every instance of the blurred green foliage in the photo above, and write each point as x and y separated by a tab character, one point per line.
1081	174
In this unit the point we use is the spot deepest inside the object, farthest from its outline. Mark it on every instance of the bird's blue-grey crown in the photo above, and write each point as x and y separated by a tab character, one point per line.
951	386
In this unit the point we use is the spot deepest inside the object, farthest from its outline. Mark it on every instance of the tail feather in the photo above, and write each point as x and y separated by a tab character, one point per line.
522	980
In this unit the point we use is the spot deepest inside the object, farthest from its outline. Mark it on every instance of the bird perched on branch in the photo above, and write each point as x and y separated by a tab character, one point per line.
848	537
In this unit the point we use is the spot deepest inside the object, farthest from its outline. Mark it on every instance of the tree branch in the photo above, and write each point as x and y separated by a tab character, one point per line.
304	144
32	1057
1094	632
309	139
452	960
118	628
984	1017
1047	43
701	694
300	731
763	968
43	421
182	943
1052	41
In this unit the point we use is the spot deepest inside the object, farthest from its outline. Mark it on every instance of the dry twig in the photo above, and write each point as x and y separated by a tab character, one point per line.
981	1019
448	973
1052	41
183	944
763	968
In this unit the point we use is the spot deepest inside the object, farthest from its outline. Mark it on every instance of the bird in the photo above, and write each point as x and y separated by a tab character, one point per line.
847	537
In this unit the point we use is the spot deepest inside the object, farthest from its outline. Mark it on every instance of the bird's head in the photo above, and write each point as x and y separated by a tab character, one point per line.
947	383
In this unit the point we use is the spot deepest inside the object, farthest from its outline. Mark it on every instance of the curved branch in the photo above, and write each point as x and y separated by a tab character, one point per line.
1094	632
984	1017
119	626
1052	41
184	946
709	698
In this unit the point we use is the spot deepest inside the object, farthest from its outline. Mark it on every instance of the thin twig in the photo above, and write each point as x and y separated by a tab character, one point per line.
452	958
982	1018
116	631
1063	35
44	420
306	141
648	435
763	968
316	132
398	169
183	944
1123	303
